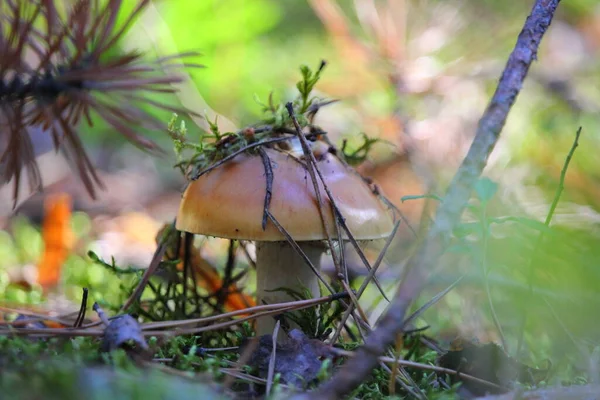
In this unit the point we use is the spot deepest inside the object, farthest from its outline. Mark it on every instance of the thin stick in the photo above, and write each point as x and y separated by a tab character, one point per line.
187	243
448	214
362	257
399	378
313	170
81	316
394	374
366	281
243	360
355	304
101	314
311	166
488	291
187	251
269	189
259	311
408	321
65	320
230	372
426	367
156	259
298	249
227	324
242	150
277	307
341	269
228	279
584	351
251	261
271	371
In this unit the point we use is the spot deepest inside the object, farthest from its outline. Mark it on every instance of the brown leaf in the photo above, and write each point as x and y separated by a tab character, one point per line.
298	360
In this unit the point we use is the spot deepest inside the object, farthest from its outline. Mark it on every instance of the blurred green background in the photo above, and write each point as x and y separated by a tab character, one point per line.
418	74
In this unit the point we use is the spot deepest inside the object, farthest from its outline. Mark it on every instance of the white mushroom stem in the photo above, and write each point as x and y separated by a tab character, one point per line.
280	266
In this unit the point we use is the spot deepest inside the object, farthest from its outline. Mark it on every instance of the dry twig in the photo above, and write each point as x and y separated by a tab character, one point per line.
178	327
271	373
450	211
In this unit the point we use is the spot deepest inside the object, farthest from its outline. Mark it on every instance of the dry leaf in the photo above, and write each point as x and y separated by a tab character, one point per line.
298	360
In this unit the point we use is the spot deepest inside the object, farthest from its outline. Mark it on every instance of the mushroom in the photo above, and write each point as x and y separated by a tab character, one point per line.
228	202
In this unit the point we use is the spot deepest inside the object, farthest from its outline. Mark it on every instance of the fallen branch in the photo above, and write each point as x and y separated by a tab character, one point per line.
448	215
178	327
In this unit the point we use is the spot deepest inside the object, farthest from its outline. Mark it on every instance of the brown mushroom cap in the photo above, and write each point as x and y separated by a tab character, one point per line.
228	201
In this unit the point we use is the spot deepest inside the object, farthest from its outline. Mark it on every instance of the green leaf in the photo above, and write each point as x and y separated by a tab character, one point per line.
485	189
361	153
460	248
466	229
307	84
421	196
527	222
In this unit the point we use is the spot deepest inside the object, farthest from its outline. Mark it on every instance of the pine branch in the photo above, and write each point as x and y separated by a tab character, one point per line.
58	70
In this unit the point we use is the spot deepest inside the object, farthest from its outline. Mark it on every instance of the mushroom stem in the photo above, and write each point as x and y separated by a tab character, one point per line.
280	266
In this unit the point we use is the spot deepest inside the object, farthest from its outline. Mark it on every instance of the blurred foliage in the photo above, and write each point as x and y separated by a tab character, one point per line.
254	47
451	53
21	245
74	369
229	35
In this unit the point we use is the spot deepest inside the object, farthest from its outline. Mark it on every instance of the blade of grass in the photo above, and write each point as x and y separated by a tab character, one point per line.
540	239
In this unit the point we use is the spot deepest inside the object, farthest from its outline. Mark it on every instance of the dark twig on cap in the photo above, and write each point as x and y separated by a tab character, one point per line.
243	150
269	189
311	166
313	169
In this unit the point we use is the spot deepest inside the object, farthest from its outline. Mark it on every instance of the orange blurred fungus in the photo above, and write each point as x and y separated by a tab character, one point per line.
209	278
53	324
206	274
57	237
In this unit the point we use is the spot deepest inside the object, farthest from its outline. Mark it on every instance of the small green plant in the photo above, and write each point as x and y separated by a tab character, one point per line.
359	154
316	322
276	129
306	86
